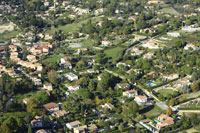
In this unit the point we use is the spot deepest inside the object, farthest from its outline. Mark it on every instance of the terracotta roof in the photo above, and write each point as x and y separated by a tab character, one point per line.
50	105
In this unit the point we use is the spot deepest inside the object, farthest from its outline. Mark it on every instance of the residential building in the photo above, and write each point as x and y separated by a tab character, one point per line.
73	124
42	131
13	48
72	88
123	85
37	123
174	34
64	63
59	113
92	128
70	76
81	129
164	120
141	100
108	106
47	86
51	107
190	46
130	93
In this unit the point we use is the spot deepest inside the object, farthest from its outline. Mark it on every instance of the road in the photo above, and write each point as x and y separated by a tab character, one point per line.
159	103
141	42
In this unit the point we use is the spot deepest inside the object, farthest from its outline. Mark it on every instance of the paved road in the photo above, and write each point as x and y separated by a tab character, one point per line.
162	105
141	42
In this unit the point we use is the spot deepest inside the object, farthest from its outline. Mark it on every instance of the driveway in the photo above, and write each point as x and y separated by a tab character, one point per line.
162	105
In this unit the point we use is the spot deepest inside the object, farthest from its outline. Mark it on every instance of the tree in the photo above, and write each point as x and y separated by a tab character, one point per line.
172	102
92	85
195	86
29	129
5	128
133	108
53	77
169	111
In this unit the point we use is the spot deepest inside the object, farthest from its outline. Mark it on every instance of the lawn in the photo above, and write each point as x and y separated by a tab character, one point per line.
87	43
53	59
20	96
166	92
113	52
151	111
191	130
6	35
171	11
74	26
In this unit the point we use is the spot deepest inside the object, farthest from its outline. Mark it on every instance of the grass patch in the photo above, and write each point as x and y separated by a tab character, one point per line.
191	130
52	59
113	52
151	111
87	43
6	35
171	11
20	96
74	26
166	92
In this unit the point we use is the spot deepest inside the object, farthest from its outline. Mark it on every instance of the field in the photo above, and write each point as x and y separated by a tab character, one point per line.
87	43
113	52
6	27
6	35
166	92
191	130
53	59
74	26
171	11
151	111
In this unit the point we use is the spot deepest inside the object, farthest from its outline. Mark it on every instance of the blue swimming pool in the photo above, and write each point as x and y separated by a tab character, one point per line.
155	121
151	84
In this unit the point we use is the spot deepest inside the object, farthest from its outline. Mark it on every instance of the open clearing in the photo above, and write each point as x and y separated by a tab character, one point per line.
171	11
166	92
74	26
53	59
113	52
6	27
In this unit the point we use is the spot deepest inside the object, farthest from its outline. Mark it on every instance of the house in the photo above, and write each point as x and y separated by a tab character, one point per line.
190	46
174	34
170	77
141	100
151	45
70	76
106	43
51	107
108	106
81	129
92	71
37	123
72	88
47	86
64	63
42	131
59	113
31	58
73	124
130	93
148	55
25	100
13	48
92	128
123	85
136	51
164	120
121	63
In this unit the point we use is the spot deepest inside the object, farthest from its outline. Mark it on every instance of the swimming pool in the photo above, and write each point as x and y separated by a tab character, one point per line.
151	84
